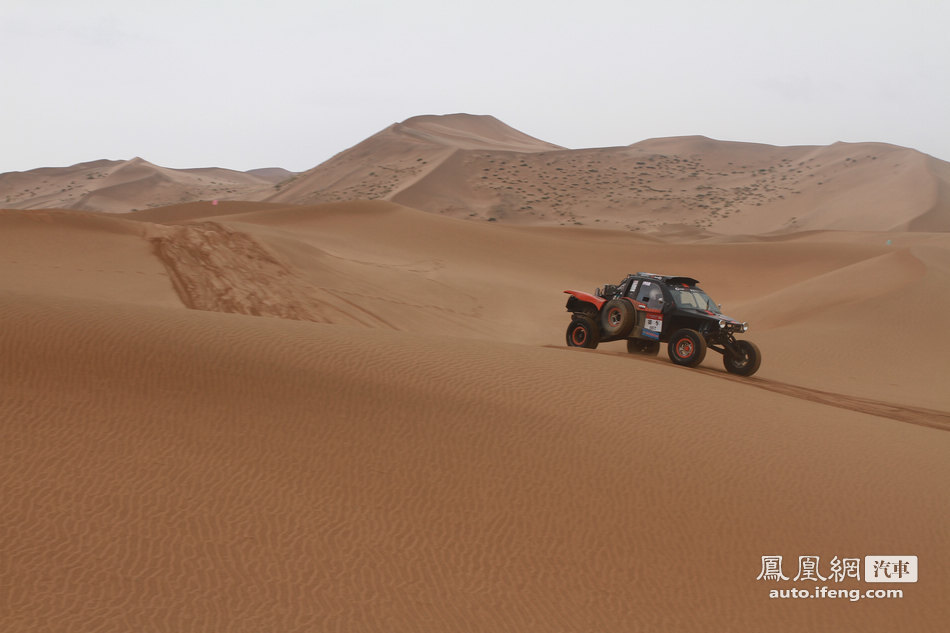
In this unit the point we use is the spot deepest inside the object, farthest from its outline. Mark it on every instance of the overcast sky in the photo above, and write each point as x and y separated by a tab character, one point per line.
290	83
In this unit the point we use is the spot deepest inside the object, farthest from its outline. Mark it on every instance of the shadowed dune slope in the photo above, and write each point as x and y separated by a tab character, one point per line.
186	470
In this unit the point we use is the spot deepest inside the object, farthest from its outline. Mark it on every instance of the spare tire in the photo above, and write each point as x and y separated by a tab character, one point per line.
617	318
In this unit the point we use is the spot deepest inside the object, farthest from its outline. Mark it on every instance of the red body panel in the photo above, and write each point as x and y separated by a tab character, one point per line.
589	298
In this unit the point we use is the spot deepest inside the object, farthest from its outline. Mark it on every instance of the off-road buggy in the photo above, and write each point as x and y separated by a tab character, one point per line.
647	309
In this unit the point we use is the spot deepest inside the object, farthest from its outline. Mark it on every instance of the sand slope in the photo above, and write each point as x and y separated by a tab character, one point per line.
175	470
837	311
76	255
733	188
362	416
819	302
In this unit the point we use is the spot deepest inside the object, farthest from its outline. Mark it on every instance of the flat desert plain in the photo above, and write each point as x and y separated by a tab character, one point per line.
362	416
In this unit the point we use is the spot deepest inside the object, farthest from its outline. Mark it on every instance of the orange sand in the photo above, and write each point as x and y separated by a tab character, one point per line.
361	416
421	452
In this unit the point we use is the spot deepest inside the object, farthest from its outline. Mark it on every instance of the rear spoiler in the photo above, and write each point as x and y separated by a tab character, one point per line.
686	281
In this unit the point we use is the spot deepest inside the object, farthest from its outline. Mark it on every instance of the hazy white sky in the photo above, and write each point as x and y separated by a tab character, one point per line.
246	84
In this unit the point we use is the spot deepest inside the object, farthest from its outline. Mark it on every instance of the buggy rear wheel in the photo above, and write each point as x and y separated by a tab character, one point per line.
582	332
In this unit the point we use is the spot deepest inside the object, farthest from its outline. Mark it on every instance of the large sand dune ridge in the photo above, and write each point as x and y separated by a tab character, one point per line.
468	167
478	168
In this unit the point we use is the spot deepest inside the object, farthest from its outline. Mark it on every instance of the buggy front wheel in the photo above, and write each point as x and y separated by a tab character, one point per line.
746	362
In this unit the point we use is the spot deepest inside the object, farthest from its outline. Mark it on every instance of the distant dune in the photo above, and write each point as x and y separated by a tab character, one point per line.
271	174
404	153
654	185
123	186
476	167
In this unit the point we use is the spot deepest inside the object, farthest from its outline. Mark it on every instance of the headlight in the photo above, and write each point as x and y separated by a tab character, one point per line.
722	324
745	327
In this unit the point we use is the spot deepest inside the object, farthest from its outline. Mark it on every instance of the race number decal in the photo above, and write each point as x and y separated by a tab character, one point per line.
653	326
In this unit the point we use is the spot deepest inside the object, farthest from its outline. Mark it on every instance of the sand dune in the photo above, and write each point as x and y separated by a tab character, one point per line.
731	188
123	186
77	255
818	303
360	415
815	301
402	154
476	167
271	174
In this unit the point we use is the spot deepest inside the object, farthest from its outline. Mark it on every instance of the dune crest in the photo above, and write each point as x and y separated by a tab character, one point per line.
400	155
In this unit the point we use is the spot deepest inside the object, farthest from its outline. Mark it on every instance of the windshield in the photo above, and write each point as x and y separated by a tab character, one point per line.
693	298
